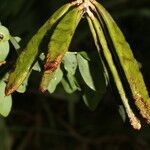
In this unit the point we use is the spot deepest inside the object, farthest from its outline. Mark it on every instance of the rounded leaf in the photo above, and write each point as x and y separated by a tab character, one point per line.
85	71
4	34
4	50
5	101
70	62
55	80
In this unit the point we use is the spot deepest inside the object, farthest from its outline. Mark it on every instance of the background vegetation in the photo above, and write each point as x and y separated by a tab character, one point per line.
61	121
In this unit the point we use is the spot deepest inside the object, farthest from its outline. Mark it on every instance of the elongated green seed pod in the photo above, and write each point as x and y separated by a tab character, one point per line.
133	119
26	59
59	44
128	63
97	46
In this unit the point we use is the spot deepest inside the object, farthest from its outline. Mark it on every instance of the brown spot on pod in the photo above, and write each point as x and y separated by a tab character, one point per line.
140	102
52	65
144	110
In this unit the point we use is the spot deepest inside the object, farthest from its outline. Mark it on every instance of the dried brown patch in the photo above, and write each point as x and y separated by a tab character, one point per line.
9	90
52	65
140	102
143	106
135	122
126	59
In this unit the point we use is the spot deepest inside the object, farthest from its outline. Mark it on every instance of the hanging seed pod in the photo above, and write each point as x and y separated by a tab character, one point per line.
59	44
106	52
96	41
128	63
26	59
114	52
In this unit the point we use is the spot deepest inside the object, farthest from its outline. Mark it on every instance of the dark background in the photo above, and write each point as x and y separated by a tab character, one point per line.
61	121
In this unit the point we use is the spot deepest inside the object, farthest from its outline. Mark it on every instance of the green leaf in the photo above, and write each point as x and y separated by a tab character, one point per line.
73	82
4	34
93	76
18	39
85	55
66	86
22	88
37	67
4	50
15	41
122	112
70	84
42	56
55	80
5	101
85	71
70	62
92	98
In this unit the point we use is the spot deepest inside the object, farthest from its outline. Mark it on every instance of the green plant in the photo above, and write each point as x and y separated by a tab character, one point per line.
5	101
115	59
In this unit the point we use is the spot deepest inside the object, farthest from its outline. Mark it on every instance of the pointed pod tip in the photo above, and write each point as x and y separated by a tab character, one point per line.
135	122
137	126
9	90
42	89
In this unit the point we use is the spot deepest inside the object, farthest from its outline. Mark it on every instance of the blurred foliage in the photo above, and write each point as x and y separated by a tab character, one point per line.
61	121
